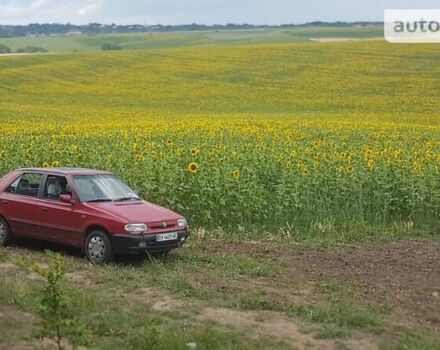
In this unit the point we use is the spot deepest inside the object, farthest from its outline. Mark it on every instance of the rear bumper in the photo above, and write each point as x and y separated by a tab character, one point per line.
129	244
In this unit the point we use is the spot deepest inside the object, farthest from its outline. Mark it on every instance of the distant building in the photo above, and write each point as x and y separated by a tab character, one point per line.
74	32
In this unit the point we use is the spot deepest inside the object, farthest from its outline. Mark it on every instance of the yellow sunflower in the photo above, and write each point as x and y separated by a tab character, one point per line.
193	168
195	152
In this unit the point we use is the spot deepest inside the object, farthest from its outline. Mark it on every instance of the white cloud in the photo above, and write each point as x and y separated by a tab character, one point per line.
90	9
12	8
49	11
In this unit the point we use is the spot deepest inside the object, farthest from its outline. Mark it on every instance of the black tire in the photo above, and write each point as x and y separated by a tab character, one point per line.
98	248
5	233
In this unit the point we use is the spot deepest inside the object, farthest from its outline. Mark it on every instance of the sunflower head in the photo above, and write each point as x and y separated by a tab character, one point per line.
193	168
429	154
236	174
417	166
195	152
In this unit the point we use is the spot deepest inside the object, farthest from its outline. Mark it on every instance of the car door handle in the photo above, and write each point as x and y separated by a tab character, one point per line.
5	202
44	209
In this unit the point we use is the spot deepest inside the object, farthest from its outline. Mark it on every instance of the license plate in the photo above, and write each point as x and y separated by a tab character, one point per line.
166	236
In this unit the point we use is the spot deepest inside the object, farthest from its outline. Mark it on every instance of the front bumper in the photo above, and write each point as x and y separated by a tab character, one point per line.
131	244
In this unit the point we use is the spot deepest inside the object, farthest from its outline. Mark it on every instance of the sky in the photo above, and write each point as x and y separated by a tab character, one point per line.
175	12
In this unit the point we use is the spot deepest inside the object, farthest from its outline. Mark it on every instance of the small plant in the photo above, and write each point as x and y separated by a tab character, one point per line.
58	322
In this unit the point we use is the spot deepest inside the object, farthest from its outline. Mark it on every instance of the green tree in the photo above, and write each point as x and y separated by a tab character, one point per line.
111	46
4	49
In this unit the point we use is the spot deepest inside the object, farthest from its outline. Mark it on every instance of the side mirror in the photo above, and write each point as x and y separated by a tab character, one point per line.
66	198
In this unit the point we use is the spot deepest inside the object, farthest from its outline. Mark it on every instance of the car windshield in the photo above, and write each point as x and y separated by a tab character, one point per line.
102	188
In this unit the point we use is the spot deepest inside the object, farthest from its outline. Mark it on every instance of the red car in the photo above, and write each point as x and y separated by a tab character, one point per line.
89	209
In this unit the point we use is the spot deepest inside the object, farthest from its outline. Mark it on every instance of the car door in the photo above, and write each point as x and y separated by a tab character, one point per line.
62	221
21	205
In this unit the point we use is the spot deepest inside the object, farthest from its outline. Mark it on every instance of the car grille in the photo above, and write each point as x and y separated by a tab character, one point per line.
162	225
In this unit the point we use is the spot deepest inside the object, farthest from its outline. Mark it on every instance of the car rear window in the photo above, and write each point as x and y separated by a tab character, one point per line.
26	185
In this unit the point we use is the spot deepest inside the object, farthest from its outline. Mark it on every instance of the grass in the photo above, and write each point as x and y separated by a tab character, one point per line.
414	341
339	318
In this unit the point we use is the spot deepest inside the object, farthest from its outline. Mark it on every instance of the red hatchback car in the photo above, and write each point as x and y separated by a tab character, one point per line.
89	209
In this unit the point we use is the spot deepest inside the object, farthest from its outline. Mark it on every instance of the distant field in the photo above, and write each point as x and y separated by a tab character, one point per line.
179	39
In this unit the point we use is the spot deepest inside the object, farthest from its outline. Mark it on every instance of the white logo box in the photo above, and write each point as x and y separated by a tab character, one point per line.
412	26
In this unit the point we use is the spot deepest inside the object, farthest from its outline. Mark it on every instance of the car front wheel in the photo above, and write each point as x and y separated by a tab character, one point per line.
5	232
98	248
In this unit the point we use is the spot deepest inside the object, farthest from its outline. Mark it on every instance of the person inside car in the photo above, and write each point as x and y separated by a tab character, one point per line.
54	188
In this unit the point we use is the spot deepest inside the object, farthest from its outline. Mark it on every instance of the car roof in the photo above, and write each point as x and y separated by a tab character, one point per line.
67	171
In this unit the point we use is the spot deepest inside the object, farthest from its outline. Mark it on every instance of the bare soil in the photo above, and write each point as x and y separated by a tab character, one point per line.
403	277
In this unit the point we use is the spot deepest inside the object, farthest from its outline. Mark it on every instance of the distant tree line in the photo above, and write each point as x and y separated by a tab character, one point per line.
97	28
31	49
28	49
4	49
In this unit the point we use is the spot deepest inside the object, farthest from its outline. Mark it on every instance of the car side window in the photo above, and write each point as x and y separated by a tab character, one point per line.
26	185
55	186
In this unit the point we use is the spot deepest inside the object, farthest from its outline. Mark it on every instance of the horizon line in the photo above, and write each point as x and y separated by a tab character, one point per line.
195	23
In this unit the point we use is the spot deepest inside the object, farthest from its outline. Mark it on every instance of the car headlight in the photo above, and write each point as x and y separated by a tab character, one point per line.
136	228
182	222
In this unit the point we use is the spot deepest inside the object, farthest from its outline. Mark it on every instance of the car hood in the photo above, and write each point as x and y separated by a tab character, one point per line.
136	212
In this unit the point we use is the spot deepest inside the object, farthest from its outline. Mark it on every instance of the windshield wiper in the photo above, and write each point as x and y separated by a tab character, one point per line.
123	199
99	200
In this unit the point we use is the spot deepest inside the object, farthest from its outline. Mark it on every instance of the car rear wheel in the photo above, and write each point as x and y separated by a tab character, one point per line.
98	248
5	232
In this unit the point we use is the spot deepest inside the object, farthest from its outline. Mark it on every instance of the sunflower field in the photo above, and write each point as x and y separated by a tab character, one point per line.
286	138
